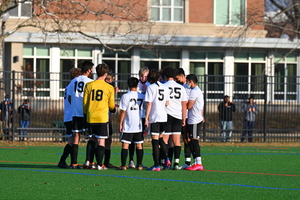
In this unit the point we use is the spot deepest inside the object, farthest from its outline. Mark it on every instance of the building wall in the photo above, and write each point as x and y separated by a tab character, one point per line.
201	11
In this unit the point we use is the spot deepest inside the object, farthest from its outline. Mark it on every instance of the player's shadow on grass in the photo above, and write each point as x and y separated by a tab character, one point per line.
27	166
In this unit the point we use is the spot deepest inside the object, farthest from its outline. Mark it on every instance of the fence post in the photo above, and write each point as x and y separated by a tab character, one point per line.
13	83
265	106
205	98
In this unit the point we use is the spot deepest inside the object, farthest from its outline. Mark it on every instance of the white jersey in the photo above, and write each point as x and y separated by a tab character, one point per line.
132	102
157	94
188	90
76	92
195	113
67	106
177	95
142	89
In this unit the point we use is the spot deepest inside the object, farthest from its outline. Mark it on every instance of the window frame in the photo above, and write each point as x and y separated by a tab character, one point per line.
160	7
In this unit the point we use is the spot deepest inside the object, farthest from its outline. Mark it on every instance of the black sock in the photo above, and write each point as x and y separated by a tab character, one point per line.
131	151
90	150
139	156
187	153
164	148
107	153
74	154
177	150
195	147
155	149
66	152
170	153
99	154
124	154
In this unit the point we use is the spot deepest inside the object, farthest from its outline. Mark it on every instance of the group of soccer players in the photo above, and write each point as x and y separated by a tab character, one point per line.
167	103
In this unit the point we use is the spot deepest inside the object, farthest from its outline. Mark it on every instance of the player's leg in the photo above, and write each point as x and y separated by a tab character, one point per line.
194	134
77	130
107	152
101	133
170	148
126	139
176	132
68	148
164	144
131	155
187	149
138	140
155	132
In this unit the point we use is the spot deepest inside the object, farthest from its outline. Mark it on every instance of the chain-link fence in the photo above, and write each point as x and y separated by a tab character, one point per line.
277	100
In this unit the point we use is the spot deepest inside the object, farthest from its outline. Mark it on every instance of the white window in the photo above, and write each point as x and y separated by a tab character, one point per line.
167	10
24	9
230	12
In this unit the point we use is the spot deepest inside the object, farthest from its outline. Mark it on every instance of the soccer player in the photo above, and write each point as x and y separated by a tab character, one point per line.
142	87
157	98
97	101
74	72
181	79
78	120
176	111
131	123
195	119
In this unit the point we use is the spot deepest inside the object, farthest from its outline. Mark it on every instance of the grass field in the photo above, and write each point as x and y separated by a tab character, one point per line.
231	172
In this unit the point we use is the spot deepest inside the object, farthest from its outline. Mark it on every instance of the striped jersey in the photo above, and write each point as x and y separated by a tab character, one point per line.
99	98
76	92
132	102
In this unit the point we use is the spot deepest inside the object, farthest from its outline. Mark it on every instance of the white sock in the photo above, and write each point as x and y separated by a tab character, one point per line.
198	160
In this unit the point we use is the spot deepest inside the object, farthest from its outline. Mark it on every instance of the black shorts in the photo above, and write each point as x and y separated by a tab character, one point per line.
173	126
110	129
136	138
68	126
157	128
194	130
78	124
99	130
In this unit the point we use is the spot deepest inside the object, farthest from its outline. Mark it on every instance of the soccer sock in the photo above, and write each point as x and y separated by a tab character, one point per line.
131	151
187	153
107	153
67	151
90	147
198	160
139	156
124	154
170	153
177	150
155	149
74	154
99	154
164	148
196	148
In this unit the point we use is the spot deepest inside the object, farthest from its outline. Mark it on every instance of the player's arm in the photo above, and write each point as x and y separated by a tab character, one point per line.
190	104
148	109
111	102
183	105
85	99
122	116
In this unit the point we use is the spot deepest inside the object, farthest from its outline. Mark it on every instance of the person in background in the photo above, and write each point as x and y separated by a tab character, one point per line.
6	107
226	109
250	111
24	111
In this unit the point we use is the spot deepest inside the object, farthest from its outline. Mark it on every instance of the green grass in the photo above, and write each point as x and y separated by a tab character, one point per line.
230	173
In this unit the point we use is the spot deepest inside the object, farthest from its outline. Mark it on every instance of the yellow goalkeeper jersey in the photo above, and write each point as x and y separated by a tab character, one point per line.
98	99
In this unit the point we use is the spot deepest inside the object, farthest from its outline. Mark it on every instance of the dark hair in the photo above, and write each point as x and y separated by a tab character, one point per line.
132	82
74	72
179	71
153	76
86	65
192	77
169	72
101	69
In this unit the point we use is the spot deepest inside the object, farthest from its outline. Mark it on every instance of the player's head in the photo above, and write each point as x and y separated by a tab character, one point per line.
226	98
143	73
191	80
153	76
86	66
169	72
109	78
74	72
132	82
180	76
102	69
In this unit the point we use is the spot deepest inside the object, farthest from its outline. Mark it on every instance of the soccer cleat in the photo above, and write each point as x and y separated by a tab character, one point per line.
131	164
101	167
144	166
185	166
75	166
154	168
176	167
63	165
122	168
92	165
140	167
86	164
196	167
110	166
168	163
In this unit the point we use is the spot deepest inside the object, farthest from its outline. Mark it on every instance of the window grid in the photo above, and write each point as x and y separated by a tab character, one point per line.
162	7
